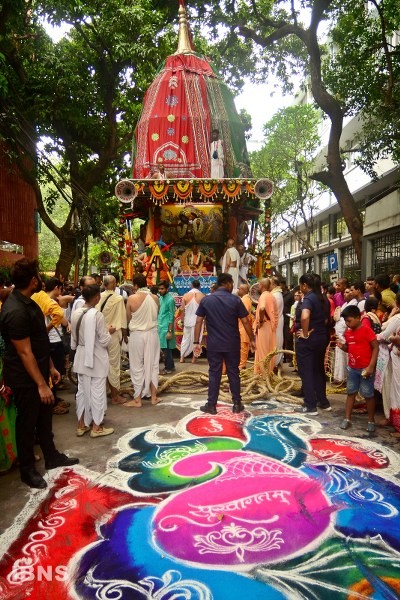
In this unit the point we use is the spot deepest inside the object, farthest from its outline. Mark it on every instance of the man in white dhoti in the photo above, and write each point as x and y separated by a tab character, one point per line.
217	156
276	292
144	344
90	337
189	306
246	259
231	261
113	308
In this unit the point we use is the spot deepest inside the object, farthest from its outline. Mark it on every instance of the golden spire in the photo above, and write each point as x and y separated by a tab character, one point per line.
184	41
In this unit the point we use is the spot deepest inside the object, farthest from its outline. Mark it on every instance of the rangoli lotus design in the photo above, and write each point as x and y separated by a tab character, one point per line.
260	504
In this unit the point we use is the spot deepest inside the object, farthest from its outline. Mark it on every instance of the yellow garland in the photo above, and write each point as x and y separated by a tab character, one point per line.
249	187
183	189
158	189
208	188
231	188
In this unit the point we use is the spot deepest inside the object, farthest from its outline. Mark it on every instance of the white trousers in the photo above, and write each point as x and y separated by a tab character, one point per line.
91	399
144	360
114	356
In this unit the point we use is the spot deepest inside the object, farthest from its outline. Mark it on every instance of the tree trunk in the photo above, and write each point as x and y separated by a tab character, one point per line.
67	255
333	177
335	180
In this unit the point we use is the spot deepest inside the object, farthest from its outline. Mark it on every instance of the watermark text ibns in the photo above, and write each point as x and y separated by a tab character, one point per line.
39	573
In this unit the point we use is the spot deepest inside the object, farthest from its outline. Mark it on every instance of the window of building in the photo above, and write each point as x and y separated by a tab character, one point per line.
294	272
324	233
283	269
340	226
325	273
314	236
310	265
386	253
350	268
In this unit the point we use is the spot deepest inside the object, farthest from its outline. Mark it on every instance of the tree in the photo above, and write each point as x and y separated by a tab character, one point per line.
276	40
366	35
287	157
85	94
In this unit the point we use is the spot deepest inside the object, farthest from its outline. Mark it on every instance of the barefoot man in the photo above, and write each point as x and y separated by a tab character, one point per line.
144	344
113	308
189	306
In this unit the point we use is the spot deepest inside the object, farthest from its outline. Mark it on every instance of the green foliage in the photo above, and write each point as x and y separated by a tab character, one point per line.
287	159
364	73
84	93
246	120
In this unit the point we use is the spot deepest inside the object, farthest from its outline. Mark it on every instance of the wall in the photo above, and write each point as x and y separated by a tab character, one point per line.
17	206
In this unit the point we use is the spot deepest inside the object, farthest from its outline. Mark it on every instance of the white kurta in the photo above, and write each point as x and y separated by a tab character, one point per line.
91	364
340	366
234	271
217	159
388	328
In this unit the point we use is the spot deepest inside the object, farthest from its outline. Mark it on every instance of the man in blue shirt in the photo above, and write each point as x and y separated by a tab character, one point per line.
222	310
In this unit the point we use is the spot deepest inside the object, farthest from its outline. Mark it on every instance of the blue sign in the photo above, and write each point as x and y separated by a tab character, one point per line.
184	284
332	262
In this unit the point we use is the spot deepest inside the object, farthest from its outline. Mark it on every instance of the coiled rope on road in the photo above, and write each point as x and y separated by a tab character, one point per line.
254	386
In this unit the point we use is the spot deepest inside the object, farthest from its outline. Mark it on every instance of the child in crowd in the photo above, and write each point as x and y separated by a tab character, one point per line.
362	348
370	318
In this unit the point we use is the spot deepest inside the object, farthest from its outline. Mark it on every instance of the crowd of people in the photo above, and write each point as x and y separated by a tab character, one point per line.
40	322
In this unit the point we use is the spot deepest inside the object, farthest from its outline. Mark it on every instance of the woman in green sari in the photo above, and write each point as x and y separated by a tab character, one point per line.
8	450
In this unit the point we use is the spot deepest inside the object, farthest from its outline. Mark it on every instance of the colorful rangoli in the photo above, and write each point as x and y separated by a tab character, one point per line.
257	505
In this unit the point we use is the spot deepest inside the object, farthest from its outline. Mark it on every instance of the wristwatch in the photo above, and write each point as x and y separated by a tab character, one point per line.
196	342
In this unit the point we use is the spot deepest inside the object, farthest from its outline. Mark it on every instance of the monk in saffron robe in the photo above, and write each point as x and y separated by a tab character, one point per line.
265	325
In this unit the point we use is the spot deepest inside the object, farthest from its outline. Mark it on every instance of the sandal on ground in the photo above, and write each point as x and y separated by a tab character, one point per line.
64	404
370	427
345	424
58	409
101	432
81	431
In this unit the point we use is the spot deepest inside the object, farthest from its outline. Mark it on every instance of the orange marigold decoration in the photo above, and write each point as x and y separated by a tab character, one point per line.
231	188
158	189
208	188
249	185
183	189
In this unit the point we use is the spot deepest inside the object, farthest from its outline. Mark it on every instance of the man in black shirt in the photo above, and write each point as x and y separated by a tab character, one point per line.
222	311
27	370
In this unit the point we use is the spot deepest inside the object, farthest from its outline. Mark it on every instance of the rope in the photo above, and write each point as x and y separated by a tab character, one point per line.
254	386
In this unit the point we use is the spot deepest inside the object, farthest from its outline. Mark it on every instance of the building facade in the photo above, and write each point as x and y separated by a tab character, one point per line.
19	219
333	253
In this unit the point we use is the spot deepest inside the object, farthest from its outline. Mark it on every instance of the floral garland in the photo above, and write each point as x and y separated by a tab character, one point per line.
183	189
208	188
159	189
231	188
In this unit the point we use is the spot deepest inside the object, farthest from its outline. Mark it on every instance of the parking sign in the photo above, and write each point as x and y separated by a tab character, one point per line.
332	262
